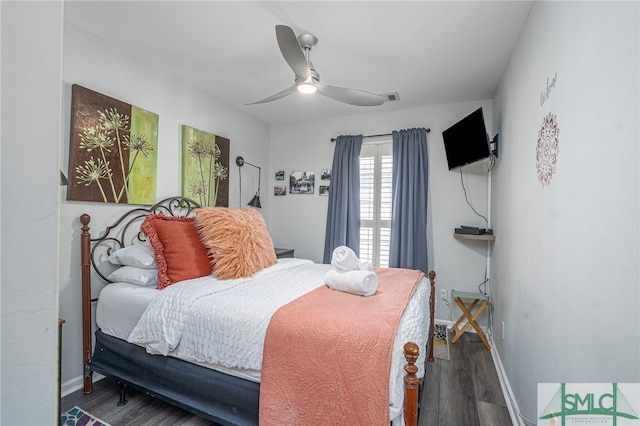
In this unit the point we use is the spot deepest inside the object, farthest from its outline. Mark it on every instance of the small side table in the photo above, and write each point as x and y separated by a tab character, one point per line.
283	252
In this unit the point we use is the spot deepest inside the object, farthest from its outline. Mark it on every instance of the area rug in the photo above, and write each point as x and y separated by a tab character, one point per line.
441	341
78	417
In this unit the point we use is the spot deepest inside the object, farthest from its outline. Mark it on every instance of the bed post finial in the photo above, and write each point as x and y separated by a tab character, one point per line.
85	264
411	353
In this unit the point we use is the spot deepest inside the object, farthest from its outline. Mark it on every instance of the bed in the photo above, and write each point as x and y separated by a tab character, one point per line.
133	349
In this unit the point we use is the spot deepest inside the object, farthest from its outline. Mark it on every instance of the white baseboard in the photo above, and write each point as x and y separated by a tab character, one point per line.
509	398
77	383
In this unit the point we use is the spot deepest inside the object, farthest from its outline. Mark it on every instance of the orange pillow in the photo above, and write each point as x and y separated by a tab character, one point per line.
178	250
237	240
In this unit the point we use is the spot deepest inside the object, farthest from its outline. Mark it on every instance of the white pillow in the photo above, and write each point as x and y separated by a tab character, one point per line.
140	255
135	275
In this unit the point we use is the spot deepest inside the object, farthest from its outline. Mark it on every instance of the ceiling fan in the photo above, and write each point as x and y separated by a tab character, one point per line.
307	80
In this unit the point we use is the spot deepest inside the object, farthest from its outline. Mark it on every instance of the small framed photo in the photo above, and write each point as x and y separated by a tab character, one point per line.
302	182
279	190
280	175
323	190
325	174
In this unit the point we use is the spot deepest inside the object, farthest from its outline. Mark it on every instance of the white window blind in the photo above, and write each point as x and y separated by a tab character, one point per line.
375	202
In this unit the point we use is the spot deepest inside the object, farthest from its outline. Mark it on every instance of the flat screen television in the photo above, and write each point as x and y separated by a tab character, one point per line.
466	141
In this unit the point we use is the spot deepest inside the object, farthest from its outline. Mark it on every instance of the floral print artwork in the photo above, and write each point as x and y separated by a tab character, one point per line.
205	167
113	153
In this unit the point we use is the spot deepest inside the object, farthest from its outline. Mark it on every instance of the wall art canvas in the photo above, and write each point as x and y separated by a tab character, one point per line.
279	191
325	174
323	190
205	167
113	150
302	182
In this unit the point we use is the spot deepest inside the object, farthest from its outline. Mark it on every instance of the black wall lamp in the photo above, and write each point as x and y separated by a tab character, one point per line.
255	201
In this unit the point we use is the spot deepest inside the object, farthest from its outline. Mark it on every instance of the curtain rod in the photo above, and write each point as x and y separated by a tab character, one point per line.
377	136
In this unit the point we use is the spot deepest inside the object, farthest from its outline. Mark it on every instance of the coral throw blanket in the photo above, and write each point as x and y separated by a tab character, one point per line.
327	355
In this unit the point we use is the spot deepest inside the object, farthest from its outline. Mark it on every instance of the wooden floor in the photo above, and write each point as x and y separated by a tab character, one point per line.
463	391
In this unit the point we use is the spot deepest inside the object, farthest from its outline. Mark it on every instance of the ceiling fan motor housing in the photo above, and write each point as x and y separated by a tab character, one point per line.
315	76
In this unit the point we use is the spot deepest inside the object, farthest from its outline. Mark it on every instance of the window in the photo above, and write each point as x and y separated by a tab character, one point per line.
375	203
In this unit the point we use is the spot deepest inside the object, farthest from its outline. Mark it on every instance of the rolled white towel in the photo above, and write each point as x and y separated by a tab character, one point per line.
365	266
363	283
344	259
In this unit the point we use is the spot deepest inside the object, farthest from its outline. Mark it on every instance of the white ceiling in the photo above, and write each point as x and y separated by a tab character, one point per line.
430	52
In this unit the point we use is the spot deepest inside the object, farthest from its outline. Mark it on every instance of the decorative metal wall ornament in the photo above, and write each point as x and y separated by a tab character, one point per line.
113	151
547	149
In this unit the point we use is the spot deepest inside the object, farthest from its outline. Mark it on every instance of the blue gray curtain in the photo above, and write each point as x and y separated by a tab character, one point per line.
409	215
343	215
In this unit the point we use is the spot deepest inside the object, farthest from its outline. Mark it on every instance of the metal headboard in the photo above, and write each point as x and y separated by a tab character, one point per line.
125	231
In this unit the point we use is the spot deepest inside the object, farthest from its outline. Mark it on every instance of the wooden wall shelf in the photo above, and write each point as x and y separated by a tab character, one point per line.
483	237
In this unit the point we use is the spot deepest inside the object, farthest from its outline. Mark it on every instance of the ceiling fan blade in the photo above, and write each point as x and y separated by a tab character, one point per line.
292	52
279	95
351	96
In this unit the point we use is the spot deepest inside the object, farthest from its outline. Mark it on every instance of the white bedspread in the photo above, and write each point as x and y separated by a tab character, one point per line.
210	321
223	322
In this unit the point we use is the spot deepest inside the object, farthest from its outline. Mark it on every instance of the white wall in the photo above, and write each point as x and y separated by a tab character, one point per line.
299	221
29	173
91	63
565	265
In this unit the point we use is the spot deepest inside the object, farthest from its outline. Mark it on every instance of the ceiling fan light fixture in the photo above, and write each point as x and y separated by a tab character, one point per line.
295	51
307	88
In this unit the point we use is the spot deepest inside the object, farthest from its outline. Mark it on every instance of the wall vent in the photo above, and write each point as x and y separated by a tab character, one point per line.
393	96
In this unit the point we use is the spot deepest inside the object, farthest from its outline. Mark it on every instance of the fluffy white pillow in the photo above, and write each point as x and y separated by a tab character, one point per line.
140	255
135	275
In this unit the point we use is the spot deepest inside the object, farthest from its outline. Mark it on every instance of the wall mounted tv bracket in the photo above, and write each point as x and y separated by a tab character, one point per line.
493	145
